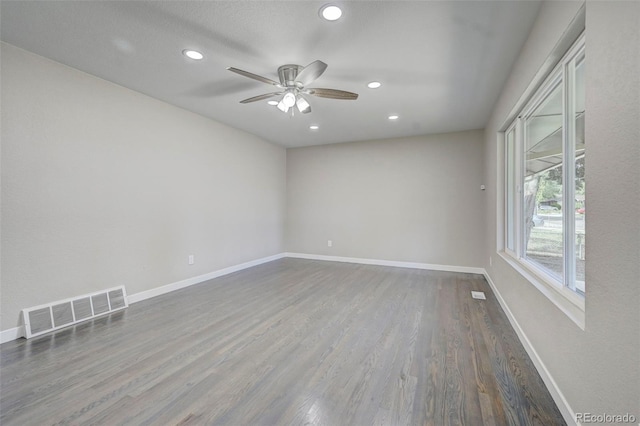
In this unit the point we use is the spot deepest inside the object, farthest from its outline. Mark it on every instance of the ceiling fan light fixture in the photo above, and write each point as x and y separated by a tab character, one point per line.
193	54
289	99
302	104
282	107
330	12
374	85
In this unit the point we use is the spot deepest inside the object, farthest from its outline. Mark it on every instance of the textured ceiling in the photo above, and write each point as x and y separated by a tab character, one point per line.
441	64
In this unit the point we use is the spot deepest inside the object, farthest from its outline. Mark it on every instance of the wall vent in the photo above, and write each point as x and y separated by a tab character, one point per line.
63	313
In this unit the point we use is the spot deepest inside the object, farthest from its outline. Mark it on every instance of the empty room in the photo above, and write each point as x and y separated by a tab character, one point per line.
318	212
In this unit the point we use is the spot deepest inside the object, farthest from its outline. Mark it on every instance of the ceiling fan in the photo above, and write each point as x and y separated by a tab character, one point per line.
293	82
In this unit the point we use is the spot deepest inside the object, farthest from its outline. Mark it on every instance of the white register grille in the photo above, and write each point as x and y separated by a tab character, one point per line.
63	313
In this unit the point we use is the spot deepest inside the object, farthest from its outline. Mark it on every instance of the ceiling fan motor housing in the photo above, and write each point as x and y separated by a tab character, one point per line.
288	73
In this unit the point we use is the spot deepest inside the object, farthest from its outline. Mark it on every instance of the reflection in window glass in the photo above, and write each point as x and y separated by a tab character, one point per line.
542	204
580	201
511	190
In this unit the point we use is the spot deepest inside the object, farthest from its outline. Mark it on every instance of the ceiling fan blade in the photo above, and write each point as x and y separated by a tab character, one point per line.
260	97
311	72
253	76
332	94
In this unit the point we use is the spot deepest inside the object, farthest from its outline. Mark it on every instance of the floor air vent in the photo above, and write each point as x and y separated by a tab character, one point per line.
52	316
478	295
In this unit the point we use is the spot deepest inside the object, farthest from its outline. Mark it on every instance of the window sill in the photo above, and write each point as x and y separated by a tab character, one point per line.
570	303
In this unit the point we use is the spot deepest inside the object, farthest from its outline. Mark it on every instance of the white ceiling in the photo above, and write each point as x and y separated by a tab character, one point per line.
442	64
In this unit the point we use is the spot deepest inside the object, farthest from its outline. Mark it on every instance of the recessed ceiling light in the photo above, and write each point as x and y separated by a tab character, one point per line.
314	127
192	54
330	12
274	103
393	117
374	85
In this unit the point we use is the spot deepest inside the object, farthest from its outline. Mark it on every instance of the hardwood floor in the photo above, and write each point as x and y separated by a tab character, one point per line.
288	342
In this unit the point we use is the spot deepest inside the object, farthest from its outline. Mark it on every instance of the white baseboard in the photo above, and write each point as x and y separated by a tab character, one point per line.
11	334
554	390
147	294
18	332
557	395
398	264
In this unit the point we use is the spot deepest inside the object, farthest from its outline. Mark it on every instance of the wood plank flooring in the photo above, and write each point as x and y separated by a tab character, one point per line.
292	341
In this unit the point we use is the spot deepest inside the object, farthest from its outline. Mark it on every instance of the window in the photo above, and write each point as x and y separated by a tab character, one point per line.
545	205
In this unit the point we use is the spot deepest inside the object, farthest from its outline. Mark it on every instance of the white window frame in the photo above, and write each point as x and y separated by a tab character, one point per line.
560	291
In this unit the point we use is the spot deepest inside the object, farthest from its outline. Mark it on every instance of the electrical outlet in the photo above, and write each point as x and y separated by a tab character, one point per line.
329	243
192	259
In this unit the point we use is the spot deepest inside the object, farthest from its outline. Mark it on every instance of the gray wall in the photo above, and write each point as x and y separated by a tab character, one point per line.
103	186
411	199
597	369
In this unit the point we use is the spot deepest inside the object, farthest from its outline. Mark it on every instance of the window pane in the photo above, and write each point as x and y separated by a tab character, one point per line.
511	189
580	201
542	203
